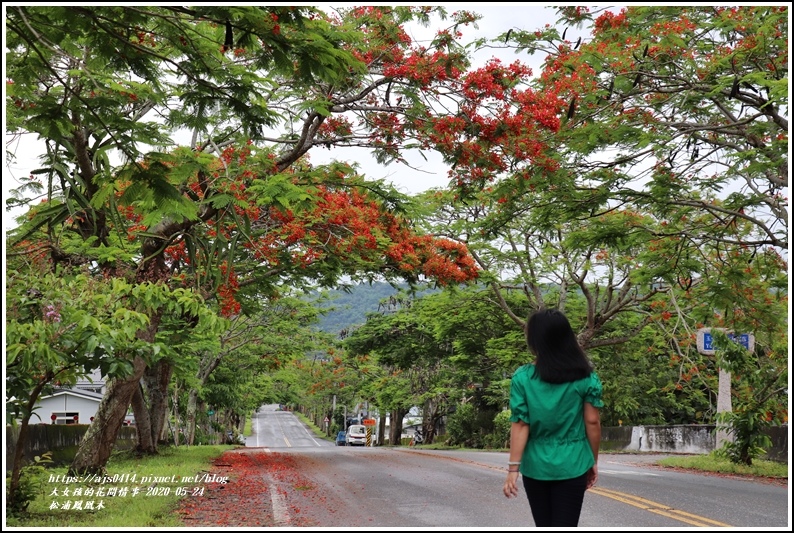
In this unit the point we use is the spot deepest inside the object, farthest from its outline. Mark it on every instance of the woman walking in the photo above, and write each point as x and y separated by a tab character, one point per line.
556	426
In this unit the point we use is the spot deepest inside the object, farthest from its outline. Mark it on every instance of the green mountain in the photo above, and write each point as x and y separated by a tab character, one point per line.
347	309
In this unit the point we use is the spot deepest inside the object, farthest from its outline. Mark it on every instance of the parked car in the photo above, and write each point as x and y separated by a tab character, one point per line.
356	435
340	439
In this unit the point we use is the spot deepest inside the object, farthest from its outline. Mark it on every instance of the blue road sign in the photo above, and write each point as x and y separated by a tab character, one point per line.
743	339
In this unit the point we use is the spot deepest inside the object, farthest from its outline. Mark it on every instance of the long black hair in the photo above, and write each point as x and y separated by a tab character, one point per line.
558	356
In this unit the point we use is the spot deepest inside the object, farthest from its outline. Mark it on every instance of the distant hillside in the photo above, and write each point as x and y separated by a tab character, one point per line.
351	308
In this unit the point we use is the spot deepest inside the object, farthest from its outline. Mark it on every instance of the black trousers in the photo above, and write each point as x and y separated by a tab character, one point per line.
556	503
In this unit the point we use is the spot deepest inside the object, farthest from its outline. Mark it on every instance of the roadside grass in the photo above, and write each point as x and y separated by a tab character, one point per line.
713	462
152	506
316	430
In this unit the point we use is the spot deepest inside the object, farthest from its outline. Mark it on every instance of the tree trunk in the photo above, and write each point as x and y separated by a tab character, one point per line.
164	424
176	430
381	430
157	378
143	423
190	415
97	444
435	421
396	426
206	367
430	418
15	501
745	457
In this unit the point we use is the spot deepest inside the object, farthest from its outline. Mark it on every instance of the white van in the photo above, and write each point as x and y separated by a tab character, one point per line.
356	435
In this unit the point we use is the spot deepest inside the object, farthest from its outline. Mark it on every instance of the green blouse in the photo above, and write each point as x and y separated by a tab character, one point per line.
557	447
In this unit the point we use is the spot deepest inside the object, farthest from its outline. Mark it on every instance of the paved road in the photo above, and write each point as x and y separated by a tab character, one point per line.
273	428
409	487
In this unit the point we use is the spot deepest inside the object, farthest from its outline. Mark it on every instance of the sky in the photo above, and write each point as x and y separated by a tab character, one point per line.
426	174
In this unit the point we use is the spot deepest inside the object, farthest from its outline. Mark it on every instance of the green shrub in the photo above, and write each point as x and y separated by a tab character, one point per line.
749	440
461	426
500	437
31	479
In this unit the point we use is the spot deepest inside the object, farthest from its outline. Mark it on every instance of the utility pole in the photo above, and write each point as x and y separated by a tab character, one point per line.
333	409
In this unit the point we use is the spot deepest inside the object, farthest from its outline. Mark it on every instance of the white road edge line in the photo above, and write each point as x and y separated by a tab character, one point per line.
627	472
314	439
280	514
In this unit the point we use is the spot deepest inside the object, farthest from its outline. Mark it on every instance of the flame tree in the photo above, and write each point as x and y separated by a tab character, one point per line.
238	209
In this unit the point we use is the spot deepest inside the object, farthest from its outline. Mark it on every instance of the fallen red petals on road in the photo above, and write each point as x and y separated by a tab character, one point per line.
245	500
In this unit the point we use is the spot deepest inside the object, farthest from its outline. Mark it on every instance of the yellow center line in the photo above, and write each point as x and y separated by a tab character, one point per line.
714	522
658	508
636	501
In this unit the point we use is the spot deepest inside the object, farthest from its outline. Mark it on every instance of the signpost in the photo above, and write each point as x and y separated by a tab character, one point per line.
369	423
705	345
705	341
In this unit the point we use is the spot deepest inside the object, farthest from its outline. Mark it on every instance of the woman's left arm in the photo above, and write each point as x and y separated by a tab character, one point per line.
592	427
519	434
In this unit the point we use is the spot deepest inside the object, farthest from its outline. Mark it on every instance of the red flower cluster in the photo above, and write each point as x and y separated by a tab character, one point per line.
347	224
